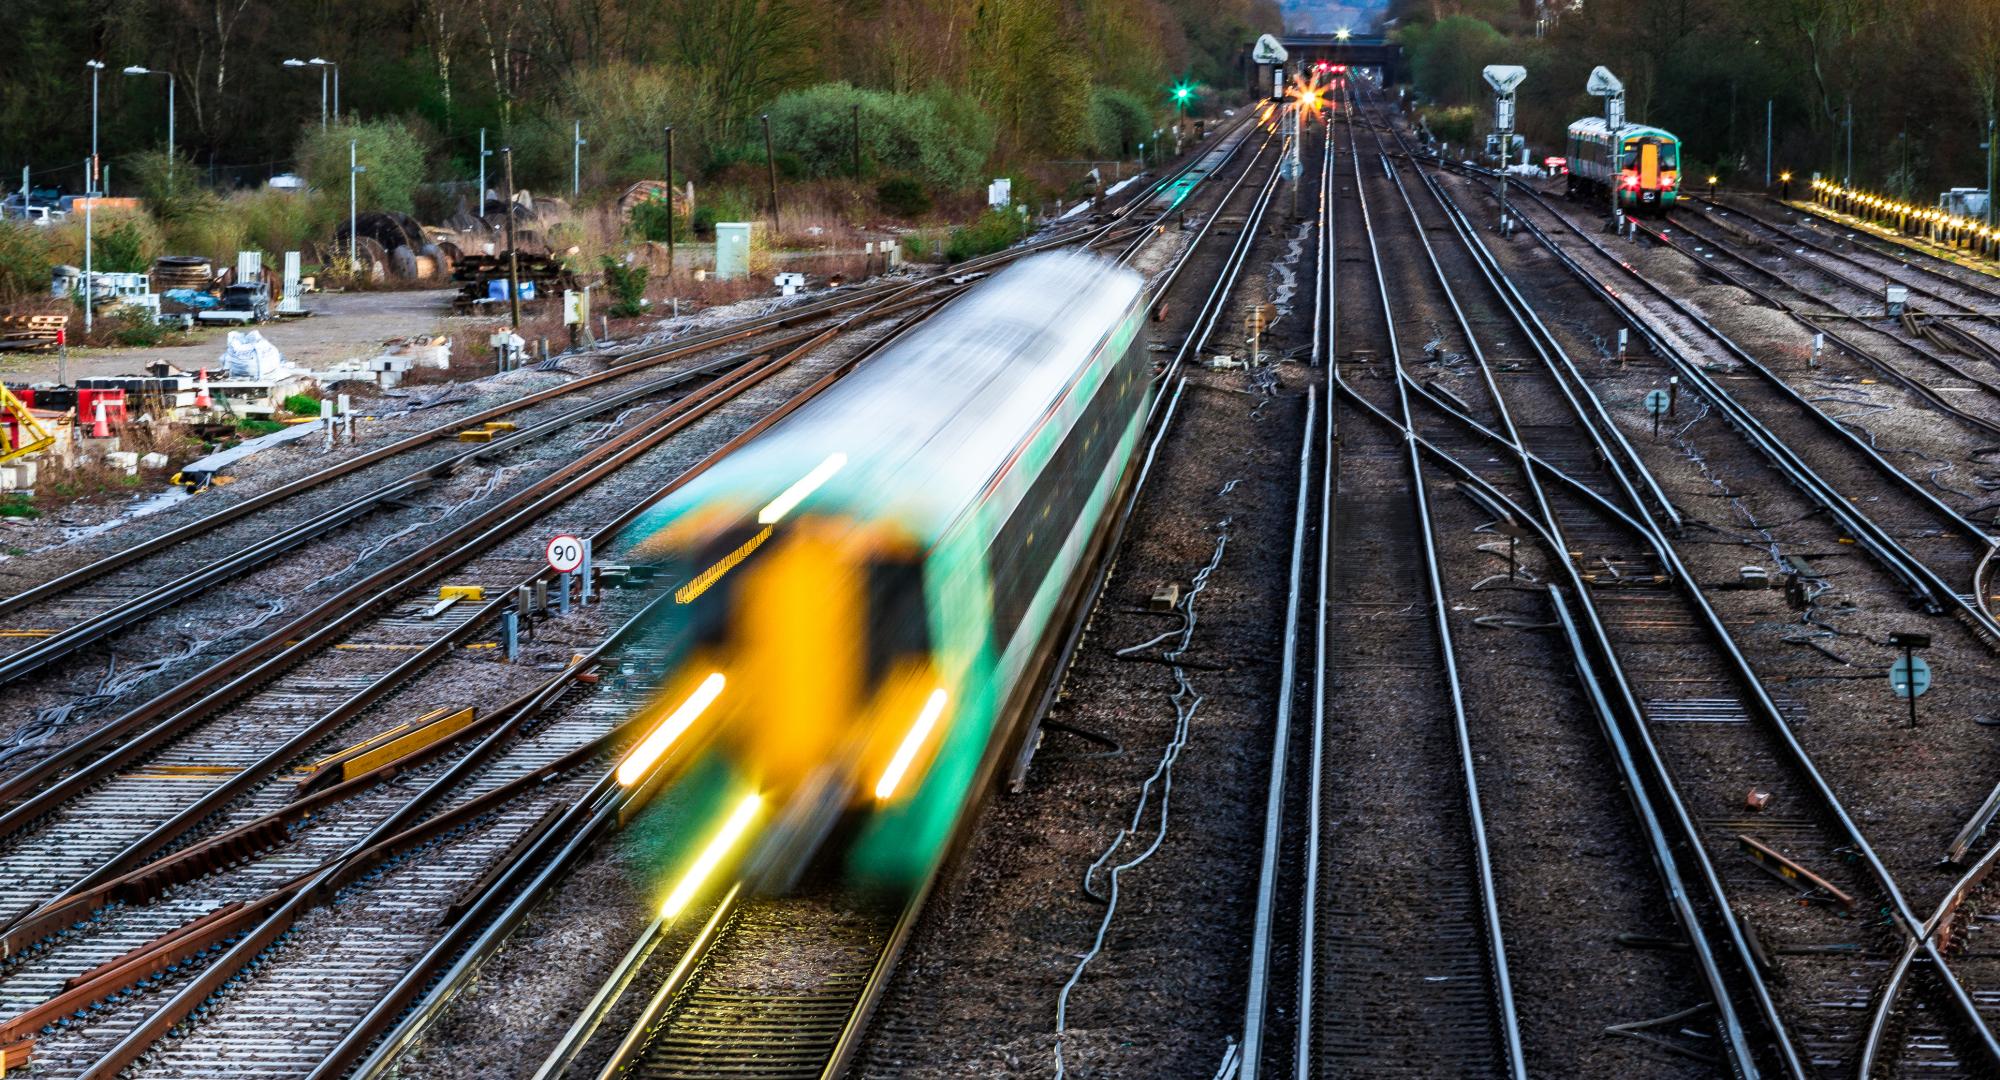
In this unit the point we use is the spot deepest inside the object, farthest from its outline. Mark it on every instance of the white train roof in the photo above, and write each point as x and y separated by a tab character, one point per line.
924	424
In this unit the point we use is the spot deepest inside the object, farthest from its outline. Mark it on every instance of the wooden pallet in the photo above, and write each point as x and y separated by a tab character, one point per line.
29	330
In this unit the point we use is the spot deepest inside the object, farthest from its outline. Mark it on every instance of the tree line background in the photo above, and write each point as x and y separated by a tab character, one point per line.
947	88
1920	75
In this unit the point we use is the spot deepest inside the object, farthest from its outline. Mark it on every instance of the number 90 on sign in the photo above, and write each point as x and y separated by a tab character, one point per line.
565	553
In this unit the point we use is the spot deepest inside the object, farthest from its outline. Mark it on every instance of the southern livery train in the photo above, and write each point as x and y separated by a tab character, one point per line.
1646	170
860	590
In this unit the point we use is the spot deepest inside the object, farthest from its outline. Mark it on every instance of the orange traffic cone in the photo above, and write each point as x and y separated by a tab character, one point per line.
100	428
201	399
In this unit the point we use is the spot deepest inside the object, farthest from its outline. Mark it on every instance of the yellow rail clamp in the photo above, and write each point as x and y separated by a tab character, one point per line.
404	745
384	747
499	425
475	435
462	592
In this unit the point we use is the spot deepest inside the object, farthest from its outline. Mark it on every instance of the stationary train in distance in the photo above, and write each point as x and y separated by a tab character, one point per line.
1646	172
860	590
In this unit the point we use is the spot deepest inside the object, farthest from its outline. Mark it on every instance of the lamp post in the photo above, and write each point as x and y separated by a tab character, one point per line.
670	206
137	70
513	253
1847	178
95	67
1989	171
322	65
576	161
354	171
88	278
771	167
483	155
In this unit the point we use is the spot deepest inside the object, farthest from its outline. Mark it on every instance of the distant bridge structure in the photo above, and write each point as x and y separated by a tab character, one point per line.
1306	51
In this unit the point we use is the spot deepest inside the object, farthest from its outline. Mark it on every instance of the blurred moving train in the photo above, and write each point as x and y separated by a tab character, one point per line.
862	588
1646	169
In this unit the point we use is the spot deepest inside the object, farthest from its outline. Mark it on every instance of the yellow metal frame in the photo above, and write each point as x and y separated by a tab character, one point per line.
38	437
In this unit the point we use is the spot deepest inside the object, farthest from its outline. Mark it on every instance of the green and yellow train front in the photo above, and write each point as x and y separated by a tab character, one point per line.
848	647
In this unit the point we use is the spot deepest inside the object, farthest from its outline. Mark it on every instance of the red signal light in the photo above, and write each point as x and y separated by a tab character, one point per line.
1340	69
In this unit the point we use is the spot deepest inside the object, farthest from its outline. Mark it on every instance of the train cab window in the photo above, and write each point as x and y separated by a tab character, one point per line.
898	625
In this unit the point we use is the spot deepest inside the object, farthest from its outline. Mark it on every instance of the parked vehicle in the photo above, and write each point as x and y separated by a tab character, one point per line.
247	303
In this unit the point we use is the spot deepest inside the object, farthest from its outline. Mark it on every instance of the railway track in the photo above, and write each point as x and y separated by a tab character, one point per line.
499	761
1407	962
1901	356
1831	1021
1781	751
189	1002
1933	276
121	590
1946	560
718	1006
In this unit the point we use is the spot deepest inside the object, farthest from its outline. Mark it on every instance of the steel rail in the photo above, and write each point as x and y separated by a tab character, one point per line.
1508	1019
618	366
439	989
1326	305
1765	707
1264	913
605	797
1918	575
1908	255
1815	322
242	561
1792	233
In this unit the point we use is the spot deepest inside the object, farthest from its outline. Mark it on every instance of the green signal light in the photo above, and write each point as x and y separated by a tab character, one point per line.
1182	93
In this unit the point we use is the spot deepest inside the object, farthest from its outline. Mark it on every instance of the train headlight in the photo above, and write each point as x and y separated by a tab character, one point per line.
712	855
650	749
913	741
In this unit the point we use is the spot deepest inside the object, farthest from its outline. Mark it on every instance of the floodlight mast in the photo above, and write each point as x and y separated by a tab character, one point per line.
1504	78
1607	86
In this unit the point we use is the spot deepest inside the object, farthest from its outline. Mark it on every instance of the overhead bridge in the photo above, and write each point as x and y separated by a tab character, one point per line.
1304	51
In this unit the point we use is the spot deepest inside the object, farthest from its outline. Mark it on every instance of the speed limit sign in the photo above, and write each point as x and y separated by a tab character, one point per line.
565	554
